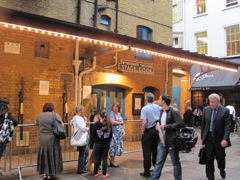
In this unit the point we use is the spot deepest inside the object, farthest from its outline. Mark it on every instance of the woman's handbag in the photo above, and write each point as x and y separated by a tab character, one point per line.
78	138
58	130
202	155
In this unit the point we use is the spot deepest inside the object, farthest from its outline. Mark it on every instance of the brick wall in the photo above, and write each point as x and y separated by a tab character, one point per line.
60	9
45	58
33	69
156	15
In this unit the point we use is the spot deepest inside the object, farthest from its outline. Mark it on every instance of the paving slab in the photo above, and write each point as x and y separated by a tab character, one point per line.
132	164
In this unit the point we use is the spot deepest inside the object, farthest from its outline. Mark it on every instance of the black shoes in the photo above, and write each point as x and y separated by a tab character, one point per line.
145	174
112	165
223	174
82	172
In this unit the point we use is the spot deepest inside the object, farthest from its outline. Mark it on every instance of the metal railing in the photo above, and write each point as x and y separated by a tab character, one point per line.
22	152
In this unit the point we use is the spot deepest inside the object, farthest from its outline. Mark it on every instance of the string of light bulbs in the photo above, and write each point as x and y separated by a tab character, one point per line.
106	43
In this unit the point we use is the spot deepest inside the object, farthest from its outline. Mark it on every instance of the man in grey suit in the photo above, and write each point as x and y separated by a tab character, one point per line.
215	131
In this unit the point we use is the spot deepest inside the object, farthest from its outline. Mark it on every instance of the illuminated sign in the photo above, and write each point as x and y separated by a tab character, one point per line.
135	67
202	77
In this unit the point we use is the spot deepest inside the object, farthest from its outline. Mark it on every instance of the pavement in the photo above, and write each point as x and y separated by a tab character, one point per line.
132	164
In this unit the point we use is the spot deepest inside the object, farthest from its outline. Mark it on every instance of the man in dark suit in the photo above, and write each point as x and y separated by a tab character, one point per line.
215	131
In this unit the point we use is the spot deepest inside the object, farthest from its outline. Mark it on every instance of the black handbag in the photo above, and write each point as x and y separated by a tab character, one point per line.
202	155
58	130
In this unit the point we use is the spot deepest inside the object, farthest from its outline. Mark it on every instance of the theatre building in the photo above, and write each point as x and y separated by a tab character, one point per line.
49	59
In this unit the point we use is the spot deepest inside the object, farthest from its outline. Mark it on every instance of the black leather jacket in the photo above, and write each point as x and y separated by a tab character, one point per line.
174	123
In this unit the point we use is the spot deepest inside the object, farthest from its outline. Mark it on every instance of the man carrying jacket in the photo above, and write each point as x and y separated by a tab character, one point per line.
170	122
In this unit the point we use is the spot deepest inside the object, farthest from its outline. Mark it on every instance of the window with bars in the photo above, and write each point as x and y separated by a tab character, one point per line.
201	6
233	40
202	43
231	3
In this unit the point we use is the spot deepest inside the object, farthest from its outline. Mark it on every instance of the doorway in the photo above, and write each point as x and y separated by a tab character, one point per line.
103	97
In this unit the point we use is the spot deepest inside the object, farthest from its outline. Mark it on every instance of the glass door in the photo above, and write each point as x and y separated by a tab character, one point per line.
105	96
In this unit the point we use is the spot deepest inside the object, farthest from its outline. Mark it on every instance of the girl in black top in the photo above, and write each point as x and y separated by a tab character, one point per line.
101	135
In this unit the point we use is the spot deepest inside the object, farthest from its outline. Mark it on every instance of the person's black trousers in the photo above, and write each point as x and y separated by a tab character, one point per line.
232	123
214	150
101	153
150	140
2	149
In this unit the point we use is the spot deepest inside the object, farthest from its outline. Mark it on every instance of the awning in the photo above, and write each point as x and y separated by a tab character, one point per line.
216	79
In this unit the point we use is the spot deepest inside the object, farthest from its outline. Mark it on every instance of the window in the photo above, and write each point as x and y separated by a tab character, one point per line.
105	23
202	43
231	3
144	33
175	41
177	11
233	40
201	6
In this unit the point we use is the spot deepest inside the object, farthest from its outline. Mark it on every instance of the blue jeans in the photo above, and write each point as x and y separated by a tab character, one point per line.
81	158
161	158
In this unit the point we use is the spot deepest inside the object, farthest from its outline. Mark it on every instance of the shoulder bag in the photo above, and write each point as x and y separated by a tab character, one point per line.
58	130
6	130
78	137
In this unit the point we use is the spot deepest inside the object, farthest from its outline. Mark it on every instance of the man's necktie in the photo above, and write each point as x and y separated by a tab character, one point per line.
212	121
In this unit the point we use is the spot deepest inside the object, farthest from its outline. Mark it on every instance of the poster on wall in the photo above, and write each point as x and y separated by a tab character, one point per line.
137	103
44	88
87	92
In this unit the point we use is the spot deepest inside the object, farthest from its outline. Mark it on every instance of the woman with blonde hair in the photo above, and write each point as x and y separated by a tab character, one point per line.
188	114
79	120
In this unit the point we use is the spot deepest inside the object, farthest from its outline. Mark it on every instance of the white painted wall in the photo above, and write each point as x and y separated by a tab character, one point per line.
217	17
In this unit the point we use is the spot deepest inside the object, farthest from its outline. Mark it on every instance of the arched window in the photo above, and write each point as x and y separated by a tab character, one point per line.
144	33
105	23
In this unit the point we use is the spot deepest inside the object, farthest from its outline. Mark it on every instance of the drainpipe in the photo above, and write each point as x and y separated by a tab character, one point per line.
166	80
115	61
116	24
76	63
81	76
95	13
79	11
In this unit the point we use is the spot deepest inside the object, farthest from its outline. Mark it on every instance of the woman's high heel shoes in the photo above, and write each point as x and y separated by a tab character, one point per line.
112	165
